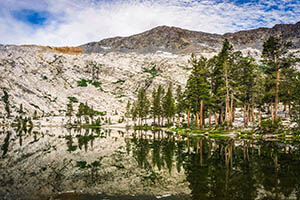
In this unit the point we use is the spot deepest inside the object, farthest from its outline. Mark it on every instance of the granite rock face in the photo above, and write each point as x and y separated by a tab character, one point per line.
45	81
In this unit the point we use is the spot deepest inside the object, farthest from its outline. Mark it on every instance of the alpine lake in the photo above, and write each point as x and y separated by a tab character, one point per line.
60	163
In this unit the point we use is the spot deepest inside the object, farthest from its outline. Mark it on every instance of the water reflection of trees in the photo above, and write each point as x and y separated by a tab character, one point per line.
85	138
215	169
224	169
19	134
82	139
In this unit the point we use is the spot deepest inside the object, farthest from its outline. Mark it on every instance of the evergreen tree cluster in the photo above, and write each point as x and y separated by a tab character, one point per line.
218	86
86	112
160	106
5	99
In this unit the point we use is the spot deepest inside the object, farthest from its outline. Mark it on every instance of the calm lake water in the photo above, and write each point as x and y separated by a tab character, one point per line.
114	164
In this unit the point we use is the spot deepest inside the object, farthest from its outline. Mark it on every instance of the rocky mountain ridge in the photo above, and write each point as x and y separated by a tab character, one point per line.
181	41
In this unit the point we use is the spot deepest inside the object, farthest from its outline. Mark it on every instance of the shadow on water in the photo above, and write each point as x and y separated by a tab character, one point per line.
212	168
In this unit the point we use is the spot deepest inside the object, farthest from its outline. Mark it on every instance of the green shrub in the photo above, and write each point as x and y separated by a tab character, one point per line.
247	132
270	127
81	164
73	99
119	81
296	132
168	124
144	128
153	71
96	84
82	83
37	107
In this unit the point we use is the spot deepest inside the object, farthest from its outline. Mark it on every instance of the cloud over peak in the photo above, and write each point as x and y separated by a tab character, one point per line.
74	22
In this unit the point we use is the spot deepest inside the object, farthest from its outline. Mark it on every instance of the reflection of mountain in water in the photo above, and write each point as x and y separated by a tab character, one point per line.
115	162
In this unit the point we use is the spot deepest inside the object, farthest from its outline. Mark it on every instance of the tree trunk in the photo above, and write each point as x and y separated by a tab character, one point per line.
221	115
196	120
231	110
276	94
188	144
245	115
188	118
248	113
227	96
201	114
233	114
209	119
178	120
272	112
158	120
216	119
259	119
252	113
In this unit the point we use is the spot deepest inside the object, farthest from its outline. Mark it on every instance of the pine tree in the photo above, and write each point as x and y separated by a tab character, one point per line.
70	111
169	104
221	71
147	108
80	111
143	105
276	56
197	92
134	112
128	111
35	115
91	114
259	93
295	93
245	85
179	103
153	108
86	109
285	89
156	103
5	99
21	112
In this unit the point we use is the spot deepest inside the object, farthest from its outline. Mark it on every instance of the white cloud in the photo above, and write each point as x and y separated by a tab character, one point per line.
82	21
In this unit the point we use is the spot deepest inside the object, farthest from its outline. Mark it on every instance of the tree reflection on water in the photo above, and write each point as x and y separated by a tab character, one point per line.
213	168
225	169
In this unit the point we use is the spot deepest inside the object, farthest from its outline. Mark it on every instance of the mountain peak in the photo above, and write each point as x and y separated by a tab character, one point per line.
177	40
162	38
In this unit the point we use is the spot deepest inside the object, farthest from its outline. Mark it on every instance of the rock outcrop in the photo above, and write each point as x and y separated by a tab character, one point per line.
64	50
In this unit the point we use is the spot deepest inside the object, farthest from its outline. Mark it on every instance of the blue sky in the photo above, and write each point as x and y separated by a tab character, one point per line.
75	22
31	17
